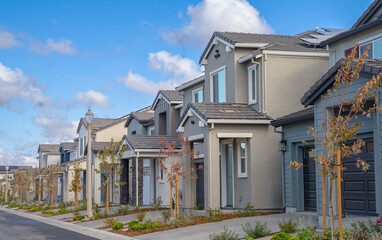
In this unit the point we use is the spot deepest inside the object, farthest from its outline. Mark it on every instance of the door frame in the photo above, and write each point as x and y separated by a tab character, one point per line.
223	177
194	163
145	162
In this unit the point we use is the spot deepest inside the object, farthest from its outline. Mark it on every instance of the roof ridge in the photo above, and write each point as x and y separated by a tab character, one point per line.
262	34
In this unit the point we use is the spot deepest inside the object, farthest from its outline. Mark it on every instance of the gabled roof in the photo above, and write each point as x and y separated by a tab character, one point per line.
191	83
371	18
299	116
100	123
170	96
369	14
97	147
142	117
218	112
53	149
140	142
69	146
252	40
371	66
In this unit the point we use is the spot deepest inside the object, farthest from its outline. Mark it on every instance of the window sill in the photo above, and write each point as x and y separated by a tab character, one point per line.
242	176
253	102
161	181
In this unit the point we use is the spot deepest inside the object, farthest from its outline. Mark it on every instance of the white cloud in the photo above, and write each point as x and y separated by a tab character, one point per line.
56	129
179	69
63	46
218	15
14	85
8	40
17	158
92	98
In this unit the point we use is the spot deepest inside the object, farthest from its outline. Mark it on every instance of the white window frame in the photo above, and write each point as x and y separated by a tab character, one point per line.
239	173
223	68
195	91
367	43
251	99
160	171
151	129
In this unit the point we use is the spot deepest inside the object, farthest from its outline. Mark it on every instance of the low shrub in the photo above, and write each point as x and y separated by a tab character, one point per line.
141	215
46	208
24	207
123	210
64	211
199	206
156	225
281	236
78	217
225	235
215	215
95	215
11	205
118	225
156	202
132	223
51	213
288	226
35	209
109	222
260	230
248	211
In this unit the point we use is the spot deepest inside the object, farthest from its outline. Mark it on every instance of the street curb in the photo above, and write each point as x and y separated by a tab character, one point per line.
91	232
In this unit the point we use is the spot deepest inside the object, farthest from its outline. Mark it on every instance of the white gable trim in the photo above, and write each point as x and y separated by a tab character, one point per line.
234	135
238	121
191	112
160	96
214	42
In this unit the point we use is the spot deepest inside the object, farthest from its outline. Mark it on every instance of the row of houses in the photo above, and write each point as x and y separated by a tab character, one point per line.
247	116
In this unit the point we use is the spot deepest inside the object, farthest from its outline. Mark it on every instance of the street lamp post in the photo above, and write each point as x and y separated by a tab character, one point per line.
6	184
89	116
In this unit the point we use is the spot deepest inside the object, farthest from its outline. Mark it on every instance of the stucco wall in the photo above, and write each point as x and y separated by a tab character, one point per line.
115	131
187	93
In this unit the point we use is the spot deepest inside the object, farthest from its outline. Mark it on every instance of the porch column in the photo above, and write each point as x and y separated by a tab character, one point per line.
213	171
188	196
124	189
137	181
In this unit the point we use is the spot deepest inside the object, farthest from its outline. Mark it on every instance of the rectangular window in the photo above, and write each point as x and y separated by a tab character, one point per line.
218	85
363	48
134	133
197	95
252	84
375	50
242	159
81	147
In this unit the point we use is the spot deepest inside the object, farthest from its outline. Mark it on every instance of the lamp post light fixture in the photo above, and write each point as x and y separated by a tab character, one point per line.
6	183
89	116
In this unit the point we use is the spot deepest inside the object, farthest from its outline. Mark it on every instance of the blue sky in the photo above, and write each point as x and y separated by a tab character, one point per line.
58	57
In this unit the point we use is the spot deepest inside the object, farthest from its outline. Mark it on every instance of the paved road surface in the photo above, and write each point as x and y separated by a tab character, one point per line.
13	227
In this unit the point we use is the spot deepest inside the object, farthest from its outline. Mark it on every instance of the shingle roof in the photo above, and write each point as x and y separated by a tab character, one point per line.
226	111
142	117
371	66
49	148
99	146
150	142
367	13
190	83
100	123
299	116
13	169
69	145
172	95
238	37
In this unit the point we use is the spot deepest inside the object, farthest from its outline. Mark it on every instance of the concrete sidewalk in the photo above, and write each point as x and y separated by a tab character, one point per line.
95	233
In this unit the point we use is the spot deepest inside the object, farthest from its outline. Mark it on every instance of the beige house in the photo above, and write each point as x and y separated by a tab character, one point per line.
249	80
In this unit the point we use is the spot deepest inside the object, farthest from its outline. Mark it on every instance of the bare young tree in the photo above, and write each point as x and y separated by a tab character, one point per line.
52	172
76	184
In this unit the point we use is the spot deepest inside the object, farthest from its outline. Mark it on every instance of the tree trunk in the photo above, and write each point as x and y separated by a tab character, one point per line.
51	195
29	196
331	208
177	195
76	199
171	193
107	196
18	196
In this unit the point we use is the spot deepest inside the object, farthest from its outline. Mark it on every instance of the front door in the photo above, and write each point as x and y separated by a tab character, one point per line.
229	174
103	188
146	182
309	169
199	184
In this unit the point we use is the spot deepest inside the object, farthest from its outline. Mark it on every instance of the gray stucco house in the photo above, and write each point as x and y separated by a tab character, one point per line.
142	173
362	192
249	80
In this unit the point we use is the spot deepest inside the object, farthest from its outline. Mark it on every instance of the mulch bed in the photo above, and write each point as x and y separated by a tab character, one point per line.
198	220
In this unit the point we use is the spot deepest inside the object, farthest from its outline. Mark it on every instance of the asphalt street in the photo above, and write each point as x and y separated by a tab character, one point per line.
13	227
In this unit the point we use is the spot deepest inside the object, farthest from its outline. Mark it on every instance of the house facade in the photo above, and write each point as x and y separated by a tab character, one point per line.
361	191
249	80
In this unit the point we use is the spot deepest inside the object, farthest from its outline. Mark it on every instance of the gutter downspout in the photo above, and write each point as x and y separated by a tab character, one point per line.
282	167
136	180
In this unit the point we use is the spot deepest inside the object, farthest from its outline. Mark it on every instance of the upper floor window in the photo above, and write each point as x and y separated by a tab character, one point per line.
151	131
252	84
134	133
218	85
375	50
197	95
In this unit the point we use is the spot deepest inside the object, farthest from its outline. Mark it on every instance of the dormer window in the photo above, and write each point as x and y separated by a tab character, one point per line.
197	95
218	85
252	84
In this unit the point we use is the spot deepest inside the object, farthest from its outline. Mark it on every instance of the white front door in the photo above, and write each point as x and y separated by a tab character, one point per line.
146	182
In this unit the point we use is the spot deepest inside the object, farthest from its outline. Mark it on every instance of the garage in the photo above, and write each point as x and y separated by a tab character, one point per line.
358	187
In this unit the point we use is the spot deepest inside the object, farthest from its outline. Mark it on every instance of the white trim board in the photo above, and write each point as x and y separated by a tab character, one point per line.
234	135
238	121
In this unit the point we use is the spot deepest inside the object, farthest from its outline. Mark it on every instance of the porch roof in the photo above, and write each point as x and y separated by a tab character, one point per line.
150	142
371	66
299	116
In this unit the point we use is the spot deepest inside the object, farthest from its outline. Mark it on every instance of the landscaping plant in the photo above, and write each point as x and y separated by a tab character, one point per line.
76	184
287	226
78	217
110	221
248	211
340	122
52	173
118	225
156	202
225	235
215	215
110	166
281	236
259	230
